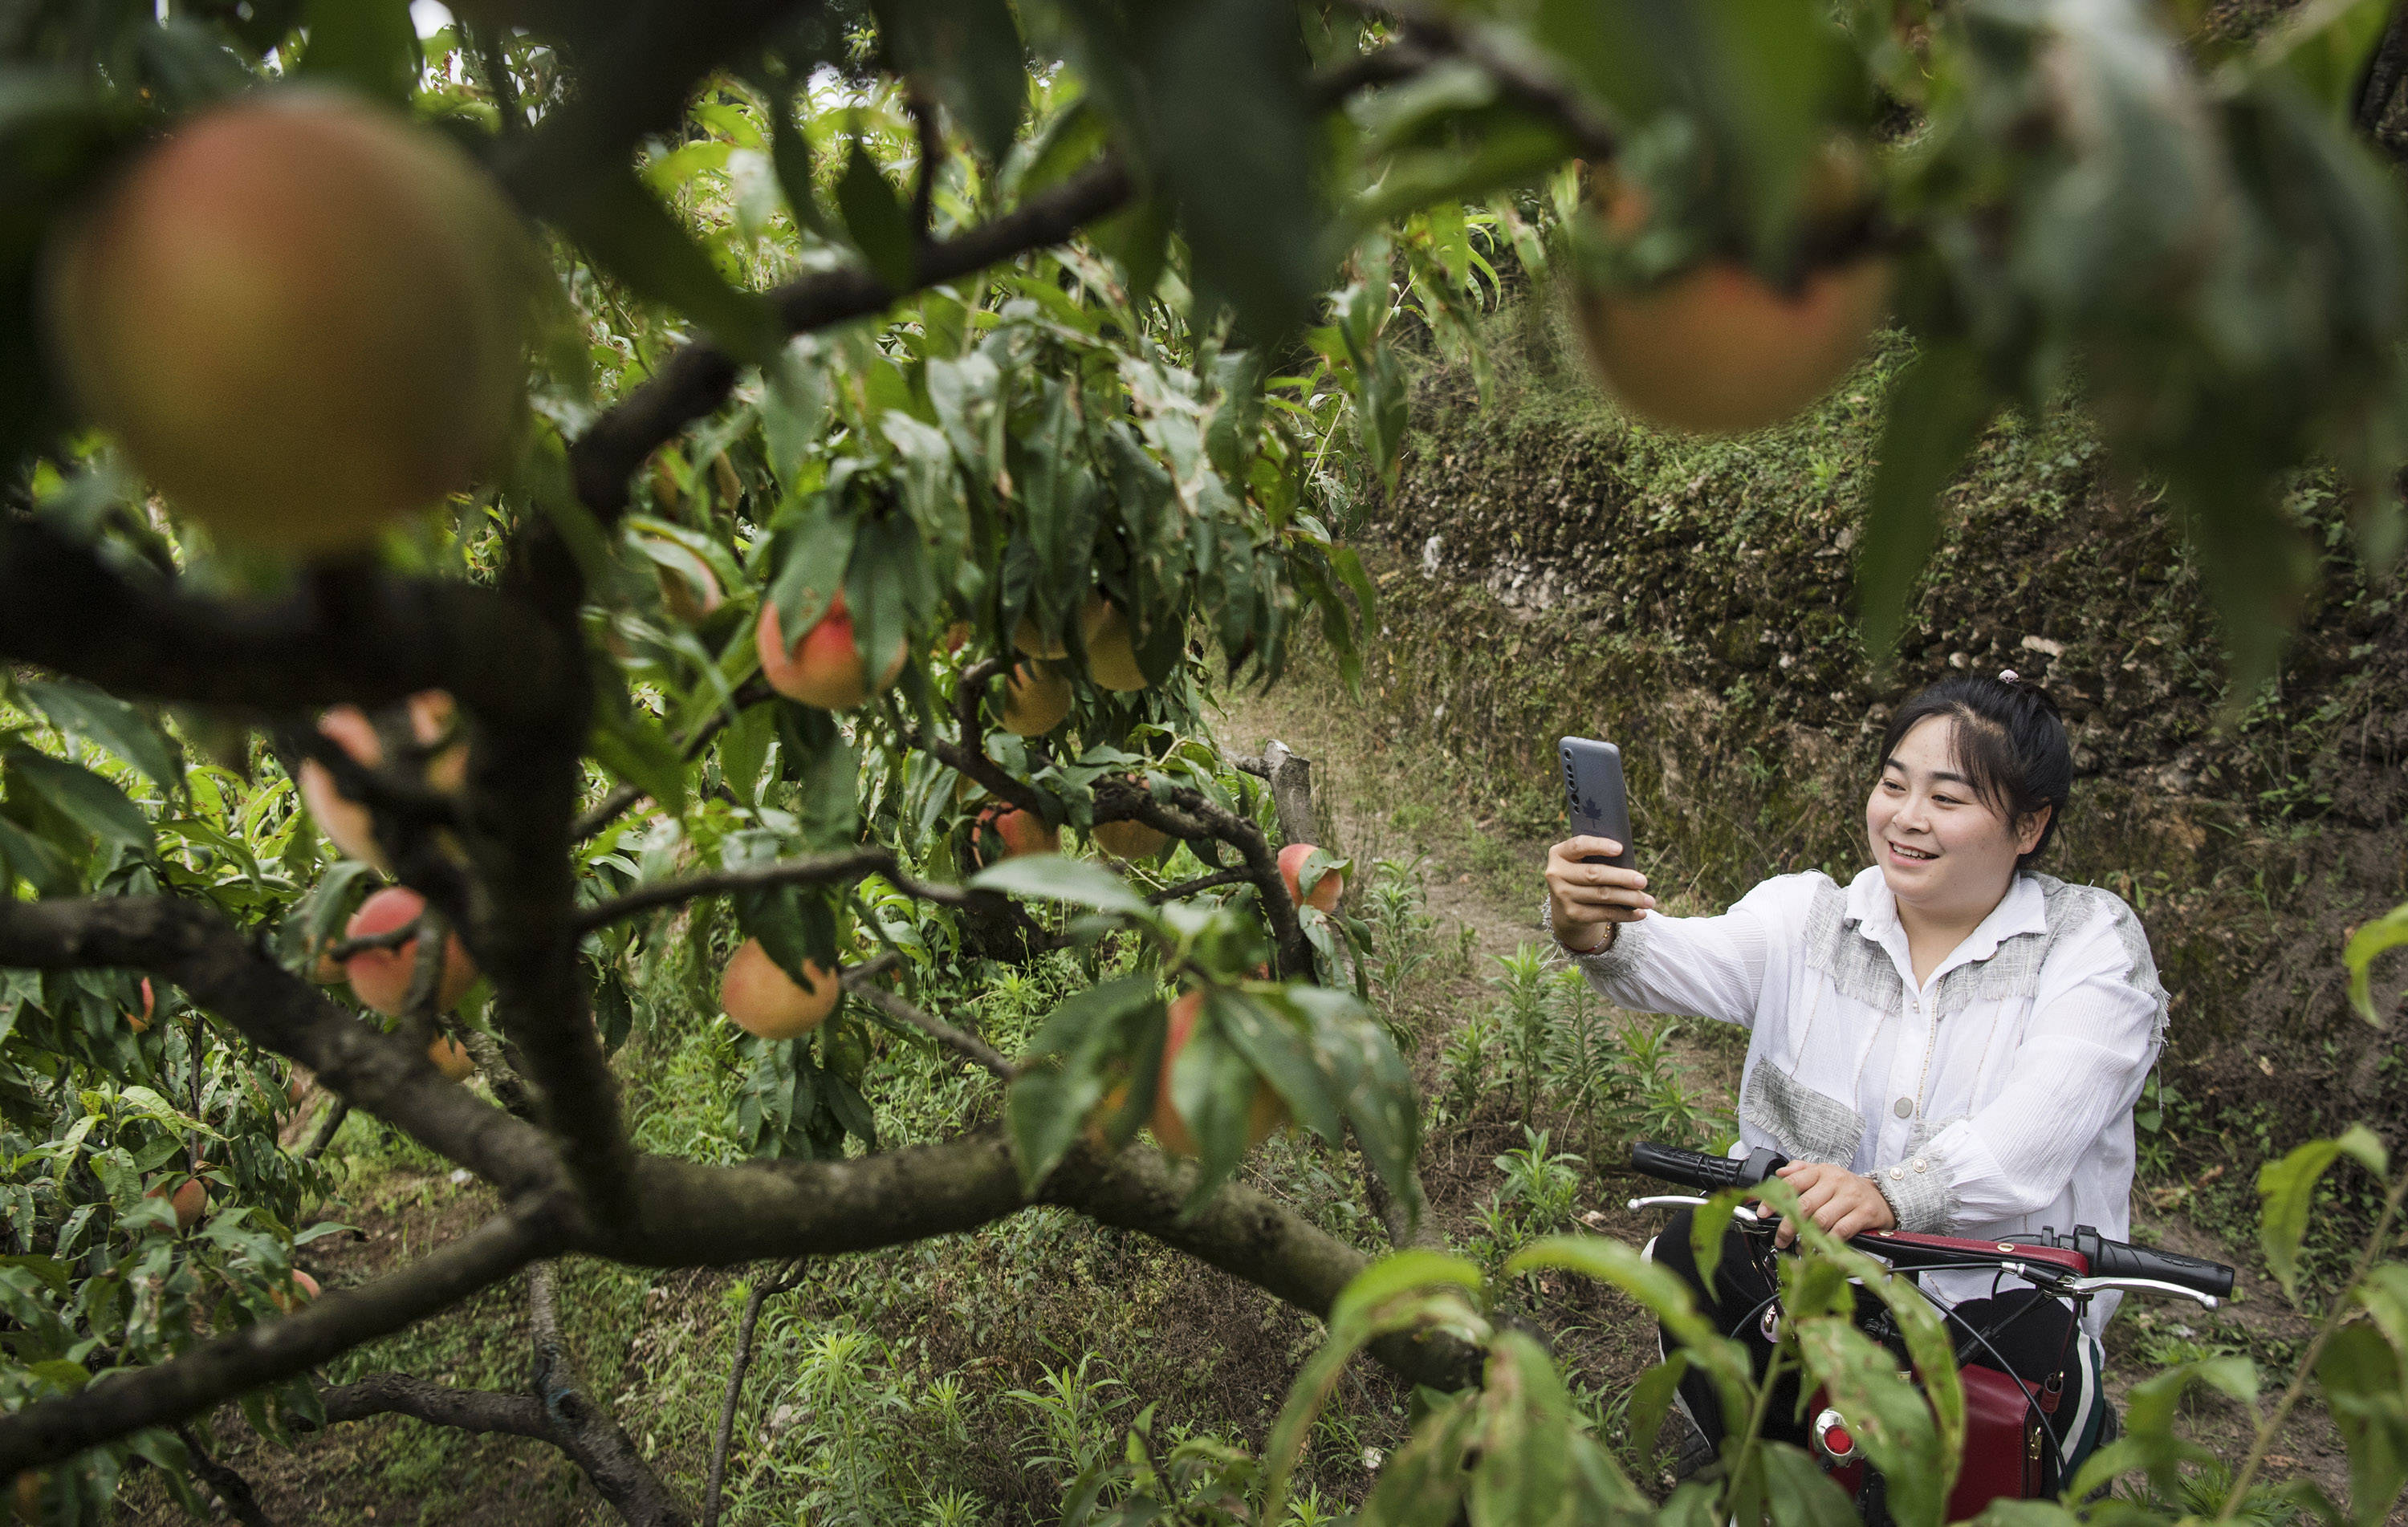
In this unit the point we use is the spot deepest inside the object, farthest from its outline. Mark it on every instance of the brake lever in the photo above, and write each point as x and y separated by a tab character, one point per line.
2142	1285
1682	1201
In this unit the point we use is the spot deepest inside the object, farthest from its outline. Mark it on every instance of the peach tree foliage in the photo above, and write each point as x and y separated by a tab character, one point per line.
1012	307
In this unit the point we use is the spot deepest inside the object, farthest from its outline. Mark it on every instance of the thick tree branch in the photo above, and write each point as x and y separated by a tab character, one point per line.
219	1370
403	1394
693	1215
587	1431
348	633
195	948
822	869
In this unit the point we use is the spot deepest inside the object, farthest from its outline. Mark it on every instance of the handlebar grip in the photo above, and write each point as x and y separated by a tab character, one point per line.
1696	1169
2121	1259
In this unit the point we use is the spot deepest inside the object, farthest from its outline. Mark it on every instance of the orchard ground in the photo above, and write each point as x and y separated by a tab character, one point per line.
964	1381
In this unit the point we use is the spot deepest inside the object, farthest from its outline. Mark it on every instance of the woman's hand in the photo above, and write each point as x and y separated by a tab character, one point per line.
1587	900
1836	1199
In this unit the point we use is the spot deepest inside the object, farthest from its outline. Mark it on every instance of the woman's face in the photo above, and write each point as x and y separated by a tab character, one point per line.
1942	851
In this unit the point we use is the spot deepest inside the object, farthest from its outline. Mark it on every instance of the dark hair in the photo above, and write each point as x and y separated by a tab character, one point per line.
2010	742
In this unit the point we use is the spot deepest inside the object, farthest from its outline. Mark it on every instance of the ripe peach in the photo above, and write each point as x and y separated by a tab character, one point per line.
452	1058
380	978
1326	891
1129	841
1021	832
1112	661
346	822
822	666
189	1198
1266	1112
301	313
1715	350
1035	700
304	1289
760	998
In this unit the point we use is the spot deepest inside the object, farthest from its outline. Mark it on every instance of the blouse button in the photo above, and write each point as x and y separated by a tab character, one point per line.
1919	1165
1903	1107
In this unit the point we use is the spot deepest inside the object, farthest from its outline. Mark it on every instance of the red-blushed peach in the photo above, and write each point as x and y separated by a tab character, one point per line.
1326	891
1265	1113
760	998
380	978
822	666
301	312
1021	832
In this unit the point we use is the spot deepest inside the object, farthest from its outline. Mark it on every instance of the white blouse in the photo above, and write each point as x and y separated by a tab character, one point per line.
1993	1098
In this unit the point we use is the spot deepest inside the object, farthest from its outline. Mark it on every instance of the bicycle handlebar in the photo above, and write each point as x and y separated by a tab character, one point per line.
2107	1258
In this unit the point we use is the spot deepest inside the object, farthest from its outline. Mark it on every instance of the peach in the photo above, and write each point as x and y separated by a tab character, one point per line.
304	1289
822	666
1035	700
760	998
302	313
1265	1113
1129	841
452	1058
1112	661
380	978
346	822
1326	891
1021	832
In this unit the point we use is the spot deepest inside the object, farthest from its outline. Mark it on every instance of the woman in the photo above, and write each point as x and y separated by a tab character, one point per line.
1951	1043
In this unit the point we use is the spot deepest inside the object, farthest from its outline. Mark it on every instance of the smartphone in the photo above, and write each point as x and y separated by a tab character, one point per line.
1598	805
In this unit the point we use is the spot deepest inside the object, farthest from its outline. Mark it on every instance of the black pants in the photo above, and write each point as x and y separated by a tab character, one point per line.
2028	1334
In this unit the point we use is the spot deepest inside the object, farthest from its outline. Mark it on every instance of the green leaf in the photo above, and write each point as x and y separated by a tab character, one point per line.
2366	1389
84	798
1800	1494
878	222
970	52
82	712
621	225
1663	1294
1236	143
1525	1472
2288	1189
1938	407
1052	878
2324	46
633	746
2388	932
1401	1273
1887	1412
368	45
1423	1482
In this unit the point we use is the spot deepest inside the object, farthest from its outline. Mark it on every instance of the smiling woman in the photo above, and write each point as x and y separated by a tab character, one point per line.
1951	1043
